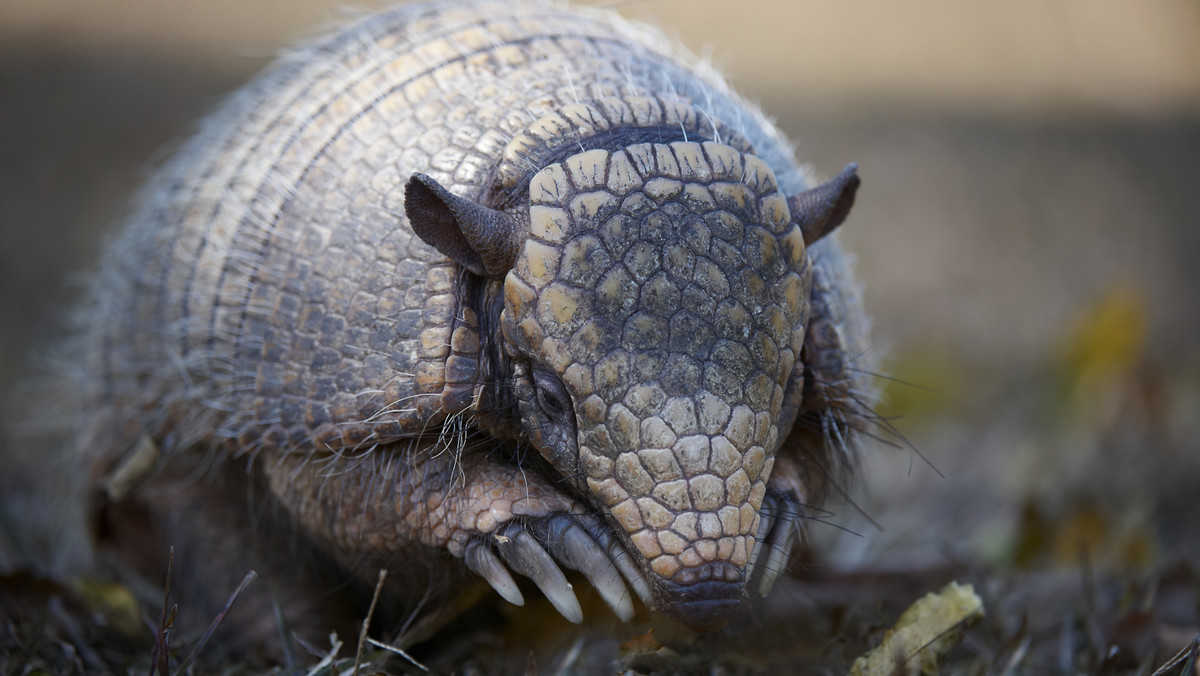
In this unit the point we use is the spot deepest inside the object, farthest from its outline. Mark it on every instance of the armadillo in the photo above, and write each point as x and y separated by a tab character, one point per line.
501	287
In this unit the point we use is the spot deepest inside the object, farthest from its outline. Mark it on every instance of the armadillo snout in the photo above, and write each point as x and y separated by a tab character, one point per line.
690	510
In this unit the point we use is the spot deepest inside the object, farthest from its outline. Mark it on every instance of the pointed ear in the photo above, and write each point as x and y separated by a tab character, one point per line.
820	210
483	240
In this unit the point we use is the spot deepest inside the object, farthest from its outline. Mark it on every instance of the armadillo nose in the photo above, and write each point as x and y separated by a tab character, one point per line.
702	607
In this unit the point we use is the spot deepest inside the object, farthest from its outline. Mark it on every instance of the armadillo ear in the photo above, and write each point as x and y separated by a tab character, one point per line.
819	210
483	240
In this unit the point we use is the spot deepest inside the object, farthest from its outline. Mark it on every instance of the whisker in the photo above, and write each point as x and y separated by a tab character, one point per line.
894	379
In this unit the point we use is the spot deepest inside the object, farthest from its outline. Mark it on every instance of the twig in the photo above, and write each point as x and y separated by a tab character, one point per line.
401	653
362	635
335	647
187	663
285	639
1017	657
159	659
1189	653
570	658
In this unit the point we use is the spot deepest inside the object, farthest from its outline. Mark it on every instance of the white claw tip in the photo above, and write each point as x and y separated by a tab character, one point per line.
566	604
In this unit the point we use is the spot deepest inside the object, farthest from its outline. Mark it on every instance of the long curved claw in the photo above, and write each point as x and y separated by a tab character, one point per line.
480	559
621	559
778	531
629	570
523	554
781	541
571	544
766	518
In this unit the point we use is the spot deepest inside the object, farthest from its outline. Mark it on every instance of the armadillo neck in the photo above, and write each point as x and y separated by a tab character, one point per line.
608	123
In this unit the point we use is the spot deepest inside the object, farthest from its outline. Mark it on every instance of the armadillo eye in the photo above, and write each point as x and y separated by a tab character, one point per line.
552	396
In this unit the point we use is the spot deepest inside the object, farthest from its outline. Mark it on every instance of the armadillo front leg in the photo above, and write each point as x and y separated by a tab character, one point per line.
404	498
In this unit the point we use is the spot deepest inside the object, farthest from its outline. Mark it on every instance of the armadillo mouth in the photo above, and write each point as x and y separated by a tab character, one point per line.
702	607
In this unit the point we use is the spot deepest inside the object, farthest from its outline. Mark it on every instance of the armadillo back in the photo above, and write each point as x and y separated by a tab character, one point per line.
270	293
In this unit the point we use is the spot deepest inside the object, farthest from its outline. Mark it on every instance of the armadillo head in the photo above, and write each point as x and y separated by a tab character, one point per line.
655	304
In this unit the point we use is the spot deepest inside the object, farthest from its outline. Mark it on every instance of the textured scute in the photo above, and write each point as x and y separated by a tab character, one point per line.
680	401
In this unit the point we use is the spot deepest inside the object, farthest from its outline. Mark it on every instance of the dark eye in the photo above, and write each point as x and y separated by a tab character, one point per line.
552	396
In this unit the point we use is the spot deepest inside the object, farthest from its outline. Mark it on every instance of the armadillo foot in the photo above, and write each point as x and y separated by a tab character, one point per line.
539	548
496	518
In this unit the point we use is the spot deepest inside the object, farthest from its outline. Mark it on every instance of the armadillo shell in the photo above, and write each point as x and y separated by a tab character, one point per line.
270	293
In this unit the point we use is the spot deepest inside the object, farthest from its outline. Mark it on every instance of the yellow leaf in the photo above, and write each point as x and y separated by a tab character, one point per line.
1107	338
115	602
924	633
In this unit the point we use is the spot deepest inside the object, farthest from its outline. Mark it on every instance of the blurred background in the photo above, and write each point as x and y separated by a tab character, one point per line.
1027	234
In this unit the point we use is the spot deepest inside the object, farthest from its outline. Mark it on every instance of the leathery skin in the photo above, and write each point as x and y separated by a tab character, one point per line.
622	400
